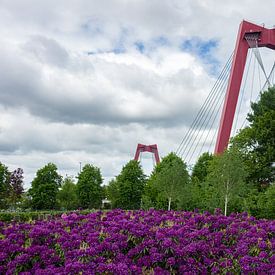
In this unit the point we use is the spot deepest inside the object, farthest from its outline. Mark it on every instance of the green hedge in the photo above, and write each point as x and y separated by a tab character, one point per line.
34	215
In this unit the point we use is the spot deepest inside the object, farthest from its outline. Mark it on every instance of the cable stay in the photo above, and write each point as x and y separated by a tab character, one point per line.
270	80
263	88
252	41
242	93
204	110
215	120
205	105
210	128
215	110
208	109
252	37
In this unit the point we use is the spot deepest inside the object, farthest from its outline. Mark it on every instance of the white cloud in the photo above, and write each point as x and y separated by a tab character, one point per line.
59	104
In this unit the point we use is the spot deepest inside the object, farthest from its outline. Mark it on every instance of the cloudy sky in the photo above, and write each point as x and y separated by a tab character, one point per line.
85	81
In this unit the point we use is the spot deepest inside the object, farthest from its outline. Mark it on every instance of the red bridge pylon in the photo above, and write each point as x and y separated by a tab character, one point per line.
249	36
147	148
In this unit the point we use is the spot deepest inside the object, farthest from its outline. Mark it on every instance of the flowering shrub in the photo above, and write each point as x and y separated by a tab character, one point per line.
139	242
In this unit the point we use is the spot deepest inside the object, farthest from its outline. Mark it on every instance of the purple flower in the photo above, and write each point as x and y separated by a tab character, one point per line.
136	242
171	261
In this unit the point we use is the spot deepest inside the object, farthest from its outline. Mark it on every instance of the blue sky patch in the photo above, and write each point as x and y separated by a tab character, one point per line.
161	41
92	27
199	46
151	45
140	46
205	50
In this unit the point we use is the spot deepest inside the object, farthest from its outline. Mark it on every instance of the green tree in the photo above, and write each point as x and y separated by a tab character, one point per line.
44	188
89	189
16	186
196	198
4	185
257	141
129	185
200	169
266	203
196	187
225	181
167	183
173	179
67	196
112	193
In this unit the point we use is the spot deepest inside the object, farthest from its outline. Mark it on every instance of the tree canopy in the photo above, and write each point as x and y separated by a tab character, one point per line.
44	187
200	169
225	180
166	183
89	189
126	190
67	196
4	185
16	185
257	141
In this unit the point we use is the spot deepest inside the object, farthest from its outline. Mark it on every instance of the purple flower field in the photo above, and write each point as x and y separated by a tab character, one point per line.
139	242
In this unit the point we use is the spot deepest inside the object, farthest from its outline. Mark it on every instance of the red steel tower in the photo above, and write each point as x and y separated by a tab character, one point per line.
262	37
147	148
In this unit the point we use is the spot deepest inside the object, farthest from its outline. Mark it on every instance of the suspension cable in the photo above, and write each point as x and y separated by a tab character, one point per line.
197	131
204	117
201	112
253	77
271	74
242	95
259	74
270	78
210	128
253	43
218	104
205	105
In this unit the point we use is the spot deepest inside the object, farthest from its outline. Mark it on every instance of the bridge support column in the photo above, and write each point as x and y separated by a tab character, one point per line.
264	38
147	148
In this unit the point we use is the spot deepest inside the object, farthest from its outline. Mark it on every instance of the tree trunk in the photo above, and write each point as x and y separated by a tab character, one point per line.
226	199
169	203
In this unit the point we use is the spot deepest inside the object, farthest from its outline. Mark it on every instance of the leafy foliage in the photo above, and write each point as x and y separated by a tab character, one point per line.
262	204
4	185
16	185
44	188
67	196
126	190
112	193
89	189
167	183
266	203
257	141
200	169
225	181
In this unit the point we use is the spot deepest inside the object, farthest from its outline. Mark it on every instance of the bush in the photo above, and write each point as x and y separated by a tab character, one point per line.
35	215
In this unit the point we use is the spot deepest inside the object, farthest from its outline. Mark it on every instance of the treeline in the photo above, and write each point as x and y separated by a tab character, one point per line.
49	191
11	186
241	179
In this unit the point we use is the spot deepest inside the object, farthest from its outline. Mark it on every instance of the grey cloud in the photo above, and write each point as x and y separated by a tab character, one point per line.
59	105
99	95
47	50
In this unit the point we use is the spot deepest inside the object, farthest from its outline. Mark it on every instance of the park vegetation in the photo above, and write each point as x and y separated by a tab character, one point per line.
240	179
139	242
